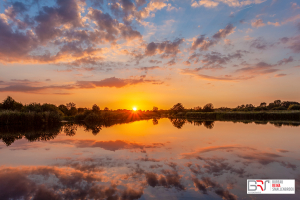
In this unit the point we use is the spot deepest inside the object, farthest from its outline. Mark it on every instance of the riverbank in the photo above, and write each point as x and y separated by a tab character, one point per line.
29	118
231	116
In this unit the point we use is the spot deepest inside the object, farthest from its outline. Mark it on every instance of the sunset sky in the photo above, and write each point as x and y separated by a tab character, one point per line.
126	53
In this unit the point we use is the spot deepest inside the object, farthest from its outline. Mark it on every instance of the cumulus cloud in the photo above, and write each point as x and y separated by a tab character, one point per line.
49	19
205	43
222	33
274	23
155	61
151	7
202	43
259	43
110	28
171	62
59	32
205	3
214	60
257	23
148	68
167	49
15	45
292	43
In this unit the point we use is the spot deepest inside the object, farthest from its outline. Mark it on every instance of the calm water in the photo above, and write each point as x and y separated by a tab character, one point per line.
149	160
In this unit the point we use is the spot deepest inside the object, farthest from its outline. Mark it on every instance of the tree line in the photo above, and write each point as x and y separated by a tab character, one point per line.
70	109
276	105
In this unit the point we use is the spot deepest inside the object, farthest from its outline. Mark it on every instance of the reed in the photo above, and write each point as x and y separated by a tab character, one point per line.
29	118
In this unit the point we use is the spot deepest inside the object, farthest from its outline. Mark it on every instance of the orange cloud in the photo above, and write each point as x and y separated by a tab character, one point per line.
258	23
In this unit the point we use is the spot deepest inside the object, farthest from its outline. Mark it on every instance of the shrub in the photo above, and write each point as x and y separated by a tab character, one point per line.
279	108
208	108
258	109
96	109
92	118
80	117
294	107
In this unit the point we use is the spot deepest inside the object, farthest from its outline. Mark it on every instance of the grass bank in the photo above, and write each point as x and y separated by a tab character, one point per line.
233	116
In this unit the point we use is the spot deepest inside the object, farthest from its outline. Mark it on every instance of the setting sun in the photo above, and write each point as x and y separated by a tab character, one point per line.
134	108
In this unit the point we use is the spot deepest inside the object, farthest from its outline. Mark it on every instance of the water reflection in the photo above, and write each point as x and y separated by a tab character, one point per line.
9	134
147	160
180	122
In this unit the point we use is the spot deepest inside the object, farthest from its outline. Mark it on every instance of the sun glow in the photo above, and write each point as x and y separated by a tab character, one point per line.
134	108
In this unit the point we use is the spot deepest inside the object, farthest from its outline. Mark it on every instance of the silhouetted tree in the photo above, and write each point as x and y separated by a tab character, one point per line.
49	107
155	109
63	109
33	107
96	108
249	106
72	110
277	103
263	104
198	108
70	105
10	104
271	105
106	109
208	108
286	104
81	110
177	108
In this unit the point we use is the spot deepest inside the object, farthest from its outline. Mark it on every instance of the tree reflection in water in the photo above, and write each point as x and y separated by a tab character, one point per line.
155	121
9	134
179	122
70	129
